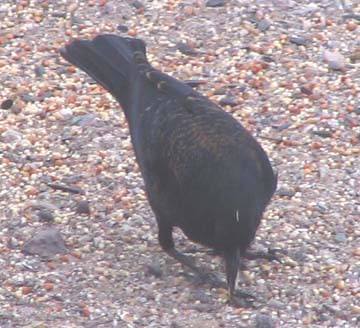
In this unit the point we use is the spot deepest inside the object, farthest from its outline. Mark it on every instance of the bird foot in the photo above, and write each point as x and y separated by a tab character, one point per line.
241	302
240	298
270	255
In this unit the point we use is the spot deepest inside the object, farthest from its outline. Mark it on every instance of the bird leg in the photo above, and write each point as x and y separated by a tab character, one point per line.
202	275
232	262
213	280
235	297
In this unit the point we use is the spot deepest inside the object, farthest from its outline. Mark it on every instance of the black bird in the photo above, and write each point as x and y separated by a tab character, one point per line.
203	171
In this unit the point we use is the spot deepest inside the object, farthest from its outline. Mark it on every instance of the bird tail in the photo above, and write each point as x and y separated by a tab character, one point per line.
108	60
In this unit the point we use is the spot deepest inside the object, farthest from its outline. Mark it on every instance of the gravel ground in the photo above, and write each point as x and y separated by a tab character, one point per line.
78	245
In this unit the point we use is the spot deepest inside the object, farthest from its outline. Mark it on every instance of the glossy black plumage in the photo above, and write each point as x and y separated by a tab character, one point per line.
203	171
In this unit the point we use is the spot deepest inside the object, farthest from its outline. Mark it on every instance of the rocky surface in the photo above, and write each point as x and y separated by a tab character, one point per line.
288	70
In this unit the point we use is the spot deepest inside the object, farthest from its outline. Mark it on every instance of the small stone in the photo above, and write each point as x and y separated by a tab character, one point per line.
11	136
6	104
298	40
83	120
220	91
59	14
39	71
334	59
27	98
285	192
132	32
340	285
340	237
137	4
228	101
48	286
351	26
264	321
322	207
122	28
306	90
45	243
186	49
276	304
216	3
332	309
201	323
16	108
154	269
355	56
83	207
324	134
66	113
76	20
263	25
46	216
189	10
355	309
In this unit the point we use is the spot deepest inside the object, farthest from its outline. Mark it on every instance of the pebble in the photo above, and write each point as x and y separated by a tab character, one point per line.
137	4
6	104
66	113
298	40
12	136
228	101
154	269
122	28
334	59
186	49
46	216
355	309
46	242
39	71
340	237
276	304
263	25
264	321
83	207
216	3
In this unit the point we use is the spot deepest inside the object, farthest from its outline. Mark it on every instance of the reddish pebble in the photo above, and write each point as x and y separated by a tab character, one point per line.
316	145
86	312
48	286
132	32
351	26
188	10
26	290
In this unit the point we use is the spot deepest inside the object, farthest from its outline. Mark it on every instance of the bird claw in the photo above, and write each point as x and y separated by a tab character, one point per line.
244	295
202	278
270	255
241	302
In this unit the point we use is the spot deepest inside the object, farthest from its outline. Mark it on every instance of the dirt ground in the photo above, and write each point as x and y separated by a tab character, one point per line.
78	240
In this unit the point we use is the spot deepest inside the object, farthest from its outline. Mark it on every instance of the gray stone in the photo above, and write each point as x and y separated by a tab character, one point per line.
47	242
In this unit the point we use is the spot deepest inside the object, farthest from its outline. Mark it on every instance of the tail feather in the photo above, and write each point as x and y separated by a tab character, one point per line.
107	59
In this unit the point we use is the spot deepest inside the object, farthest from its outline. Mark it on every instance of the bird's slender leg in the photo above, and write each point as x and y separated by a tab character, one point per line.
213	280
167	243
231	263
186	261
235	297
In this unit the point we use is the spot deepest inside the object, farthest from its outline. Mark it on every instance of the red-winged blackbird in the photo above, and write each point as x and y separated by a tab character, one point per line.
203	171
